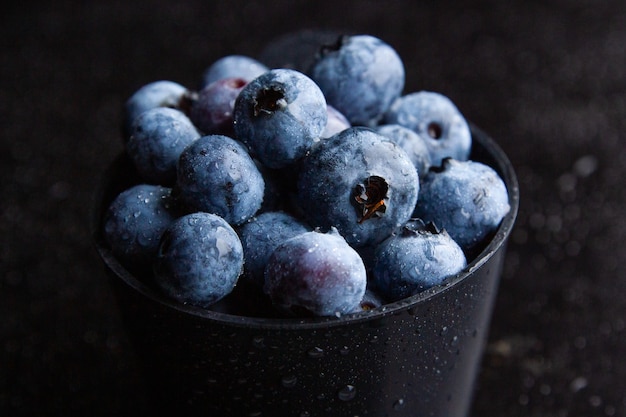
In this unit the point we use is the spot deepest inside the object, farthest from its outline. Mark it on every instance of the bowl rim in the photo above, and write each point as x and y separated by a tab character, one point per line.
503	167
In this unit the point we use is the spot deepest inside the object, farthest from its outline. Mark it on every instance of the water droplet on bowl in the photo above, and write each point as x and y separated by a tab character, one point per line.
399	404
289	381
316	352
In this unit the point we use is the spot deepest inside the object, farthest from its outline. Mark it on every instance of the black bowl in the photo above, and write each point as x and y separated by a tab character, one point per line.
415	357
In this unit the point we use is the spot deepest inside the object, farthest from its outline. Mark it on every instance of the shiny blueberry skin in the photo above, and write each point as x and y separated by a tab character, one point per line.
340	167
161	93
437	120
212	111
135	220
414	260
316	274
336	122
233	66
217	175
279	116
261	235
360	76
467	198
157	138
411	142
200	259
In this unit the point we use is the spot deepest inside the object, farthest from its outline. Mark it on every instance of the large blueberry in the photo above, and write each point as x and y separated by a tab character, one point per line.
161	93
467	198
157	138
217	175
414	260
359	182
316	273
135	220
200	259
360	76
437	120
233	66
279	116
411	142
261	235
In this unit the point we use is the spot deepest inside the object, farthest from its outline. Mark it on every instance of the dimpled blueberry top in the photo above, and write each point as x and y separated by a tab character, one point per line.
335	170
467	198
414	260
217	175
261	235
360	76
199	260
279	116
316	272
135	220
157	138
437	120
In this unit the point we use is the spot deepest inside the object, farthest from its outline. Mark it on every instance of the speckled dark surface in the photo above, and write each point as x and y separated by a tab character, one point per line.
546	79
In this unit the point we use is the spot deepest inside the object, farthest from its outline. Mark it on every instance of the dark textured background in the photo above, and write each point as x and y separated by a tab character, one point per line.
546	79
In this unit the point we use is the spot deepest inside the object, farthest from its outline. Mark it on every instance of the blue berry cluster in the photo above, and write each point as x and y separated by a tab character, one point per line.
327	190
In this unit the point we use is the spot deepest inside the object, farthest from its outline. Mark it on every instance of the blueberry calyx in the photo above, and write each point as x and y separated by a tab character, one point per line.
445	164
269	100
434	130
370	197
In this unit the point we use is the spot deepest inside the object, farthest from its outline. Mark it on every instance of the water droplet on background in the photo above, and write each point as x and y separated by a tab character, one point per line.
399	404
347	393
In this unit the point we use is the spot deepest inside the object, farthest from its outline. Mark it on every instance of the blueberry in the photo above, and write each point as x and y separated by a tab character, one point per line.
359	182
467	198
360	76
371	300
261	235
411	142
212	111
200	259
155	94
233	66
135	220
437	120
279	116
316	274
336	122
217	175
414	260
157	138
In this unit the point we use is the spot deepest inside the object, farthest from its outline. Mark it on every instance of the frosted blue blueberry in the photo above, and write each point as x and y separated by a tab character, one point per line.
411	142
414	260
279	116
336	122
316	274
212	111
437	120
161	93
467	198
261	235
217	175
135	220
200	259
359	182
360	76
157	138
233	66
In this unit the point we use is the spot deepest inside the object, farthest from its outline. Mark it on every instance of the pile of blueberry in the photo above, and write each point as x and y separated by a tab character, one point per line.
319	185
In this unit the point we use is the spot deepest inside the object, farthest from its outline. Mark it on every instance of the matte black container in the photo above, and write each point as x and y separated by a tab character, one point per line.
416	357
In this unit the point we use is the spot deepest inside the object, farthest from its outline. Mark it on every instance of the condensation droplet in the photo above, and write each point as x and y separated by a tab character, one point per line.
444	331
399	404
305	414
258	342
347	393
289	381
316	352
344	350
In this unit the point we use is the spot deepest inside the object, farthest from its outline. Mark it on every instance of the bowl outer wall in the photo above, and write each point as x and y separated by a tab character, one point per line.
418	356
